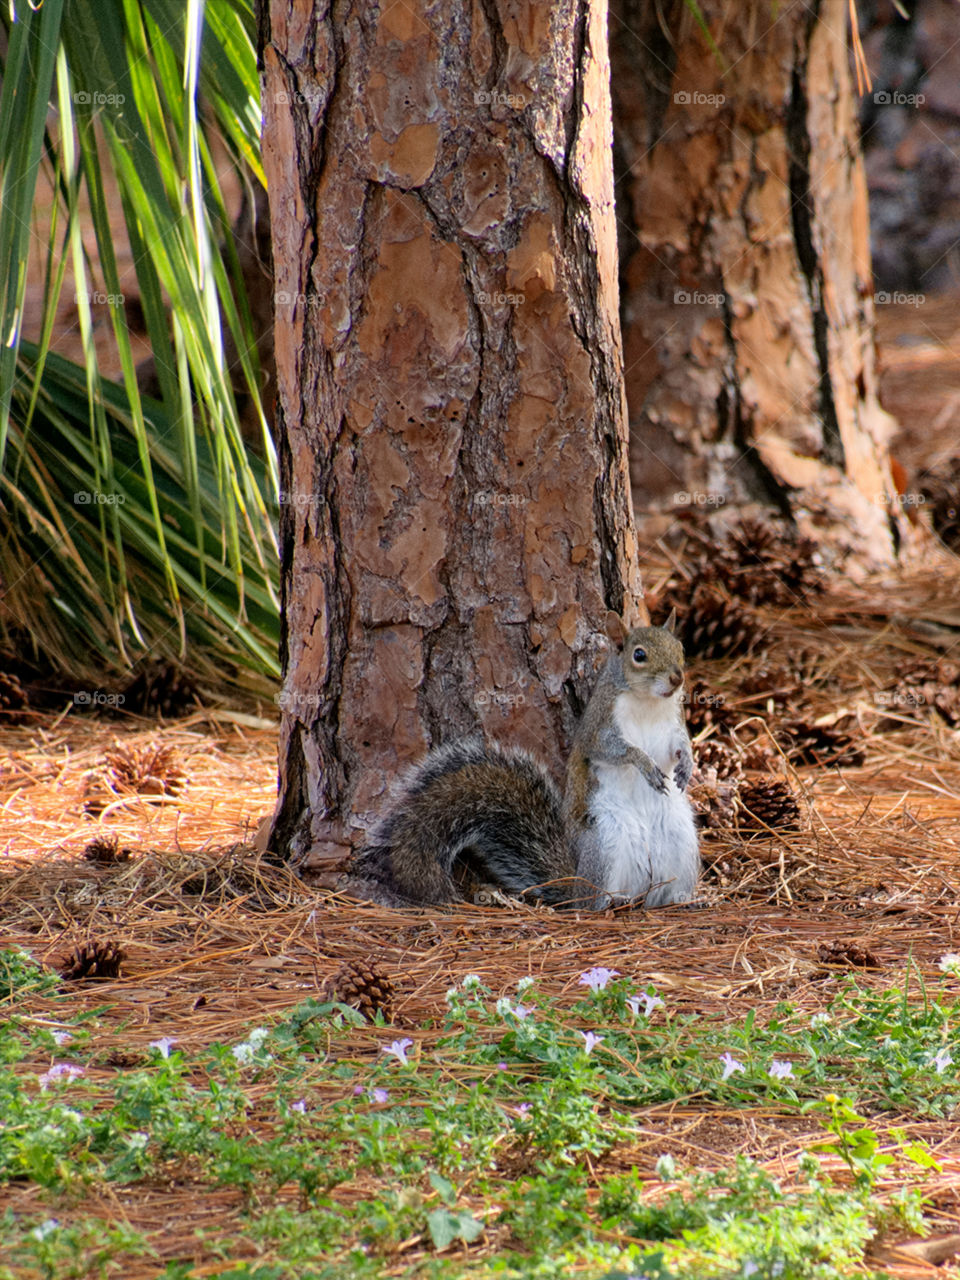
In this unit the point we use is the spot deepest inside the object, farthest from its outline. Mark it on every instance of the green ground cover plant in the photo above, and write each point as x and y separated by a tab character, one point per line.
500	1143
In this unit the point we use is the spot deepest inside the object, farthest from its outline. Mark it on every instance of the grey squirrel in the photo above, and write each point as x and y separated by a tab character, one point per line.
624	829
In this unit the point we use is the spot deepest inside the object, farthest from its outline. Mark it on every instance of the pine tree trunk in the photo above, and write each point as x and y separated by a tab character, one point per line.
456	515
745	268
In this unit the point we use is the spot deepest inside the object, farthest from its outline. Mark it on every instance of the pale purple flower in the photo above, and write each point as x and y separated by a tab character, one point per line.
730	1065
941	1060
62	1037
523	1010
299	1106
163	1045
780	1070
398	1049
597	978
590	1041
523	1108
379	1095
649	1004
501	1066
59	1071
358	1090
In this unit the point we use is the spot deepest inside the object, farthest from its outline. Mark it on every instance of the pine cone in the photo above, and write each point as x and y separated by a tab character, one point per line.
363	987
716	755
105	850
161	688
821	744
714	802
852	953
148	771
768	804
714	625
942	493
13	699
929	682
93	960
705	708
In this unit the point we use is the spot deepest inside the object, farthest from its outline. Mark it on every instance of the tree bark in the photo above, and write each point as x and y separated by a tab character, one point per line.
745	269
456	514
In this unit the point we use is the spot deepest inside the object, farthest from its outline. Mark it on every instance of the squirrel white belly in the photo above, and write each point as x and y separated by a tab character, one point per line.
624	830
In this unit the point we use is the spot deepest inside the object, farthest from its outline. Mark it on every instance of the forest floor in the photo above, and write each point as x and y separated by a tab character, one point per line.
506	1144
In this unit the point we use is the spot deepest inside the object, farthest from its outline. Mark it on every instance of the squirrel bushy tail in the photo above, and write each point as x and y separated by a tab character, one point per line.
472	811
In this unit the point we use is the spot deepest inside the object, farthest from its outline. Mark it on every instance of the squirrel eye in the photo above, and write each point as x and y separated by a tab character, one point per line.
639	655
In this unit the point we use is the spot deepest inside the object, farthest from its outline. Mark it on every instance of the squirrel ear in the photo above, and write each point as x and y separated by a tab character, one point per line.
671	623
615	629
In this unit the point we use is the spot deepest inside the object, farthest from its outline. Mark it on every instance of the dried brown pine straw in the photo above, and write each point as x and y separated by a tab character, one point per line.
218	941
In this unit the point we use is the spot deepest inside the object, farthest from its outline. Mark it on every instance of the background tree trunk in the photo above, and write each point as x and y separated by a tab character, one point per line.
745	266
456	513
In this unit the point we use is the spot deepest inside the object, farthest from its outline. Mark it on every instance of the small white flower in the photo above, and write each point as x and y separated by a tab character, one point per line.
59	1071
470	982
398	1049
950	963
780	1070
941	1060
45	1229
649	1004
820	1020
590	1041
504	1006
525	984
163	1045
666	1168
257	1036
137	1141
243	1053
730	1065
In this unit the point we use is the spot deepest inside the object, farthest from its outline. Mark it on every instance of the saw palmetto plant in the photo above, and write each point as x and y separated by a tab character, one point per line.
133	524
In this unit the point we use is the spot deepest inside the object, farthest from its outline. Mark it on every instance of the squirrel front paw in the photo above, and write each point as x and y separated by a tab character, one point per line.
656	777
683	771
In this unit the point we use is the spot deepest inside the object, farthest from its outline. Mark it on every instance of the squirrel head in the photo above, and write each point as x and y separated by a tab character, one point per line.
651	658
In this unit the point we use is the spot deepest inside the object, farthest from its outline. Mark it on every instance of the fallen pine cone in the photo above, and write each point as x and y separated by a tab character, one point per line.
92	960
106	850
363	987
768	804
851	953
